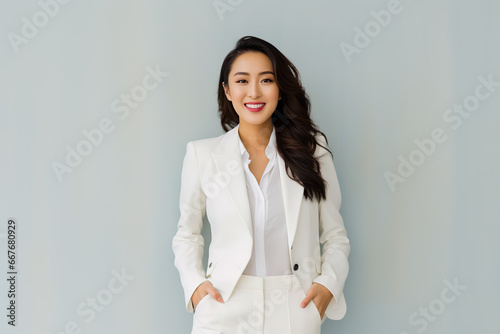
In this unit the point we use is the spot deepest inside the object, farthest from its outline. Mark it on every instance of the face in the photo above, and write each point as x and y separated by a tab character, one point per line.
252	88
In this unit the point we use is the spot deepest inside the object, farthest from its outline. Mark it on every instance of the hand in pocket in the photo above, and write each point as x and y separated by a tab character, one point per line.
321	296
204	289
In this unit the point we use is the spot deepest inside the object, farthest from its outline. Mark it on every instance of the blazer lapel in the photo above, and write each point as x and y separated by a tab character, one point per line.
292	199
227	159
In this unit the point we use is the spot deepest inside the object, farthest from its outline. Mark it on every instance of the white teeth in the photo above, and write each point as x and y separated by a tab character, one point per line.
255	106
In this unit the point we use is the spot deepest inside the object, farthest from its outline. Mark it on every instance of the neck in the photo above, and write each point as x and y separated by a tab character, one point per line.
255	136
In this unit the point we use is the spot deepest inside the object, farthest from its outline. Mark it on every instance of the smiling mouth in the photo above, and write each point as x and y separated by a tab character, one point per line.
254	107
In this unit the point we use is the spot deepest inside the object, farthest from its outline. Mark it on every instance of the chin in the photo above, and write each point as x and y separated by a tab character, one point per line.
259	121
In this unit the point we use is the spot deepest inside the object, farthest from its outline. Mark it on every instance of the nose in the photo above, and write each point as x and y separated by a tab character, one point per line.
254	90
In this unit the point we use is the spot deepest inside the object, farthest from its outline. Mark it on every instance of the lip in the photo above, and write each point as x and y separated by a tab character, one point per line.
255	109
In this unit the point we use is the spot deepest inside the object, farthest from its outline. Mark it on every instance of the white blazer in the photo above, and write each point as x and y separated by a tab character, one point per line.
213	183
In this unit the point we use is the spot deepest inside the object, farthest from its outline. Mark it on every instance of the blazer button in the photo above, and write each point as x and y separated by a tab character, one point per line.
210	265
295	266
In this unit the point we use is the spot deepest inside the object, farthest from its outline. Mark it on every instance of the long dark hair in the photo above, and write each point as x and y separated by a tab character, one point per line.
295	131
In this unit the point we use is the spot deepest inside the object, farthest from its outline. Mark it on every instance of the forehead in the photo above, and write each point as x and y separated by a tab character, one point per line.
252	62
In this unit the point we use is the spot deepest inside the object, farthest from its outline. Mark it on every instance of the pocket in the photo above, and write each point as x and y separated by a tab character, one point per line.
315	309
311	306
201	302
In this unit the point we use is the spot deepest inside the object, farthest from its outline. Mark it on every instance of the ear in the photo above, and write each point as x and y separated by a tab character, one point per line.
226	91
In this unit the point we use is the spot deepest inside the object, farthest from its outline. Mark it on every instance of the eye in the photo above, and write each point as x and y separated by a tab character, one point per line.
268	80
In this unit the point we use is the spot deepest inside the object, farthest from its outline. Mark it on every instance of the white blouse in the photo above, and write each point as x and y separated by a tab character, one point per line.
270	247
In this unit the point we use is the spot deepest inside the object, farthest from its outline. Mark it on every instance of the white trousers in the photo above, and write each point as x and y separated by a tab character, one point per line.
259	305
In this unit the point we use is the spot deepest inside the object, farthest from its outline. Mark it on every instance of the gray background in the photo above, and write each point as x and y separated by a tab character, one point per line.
118	209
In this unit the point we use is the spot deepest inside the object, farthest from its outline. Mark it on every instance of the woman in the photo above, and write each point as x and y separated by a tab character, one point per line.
278	256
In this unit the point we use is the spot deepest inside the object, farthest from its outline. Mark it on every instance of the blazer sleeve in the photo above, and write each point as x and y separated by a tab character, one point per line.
188	243
333	236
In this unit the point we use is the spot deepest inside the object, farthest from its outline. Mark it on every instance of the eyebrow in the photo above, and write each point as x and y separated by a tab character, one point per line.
245	73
